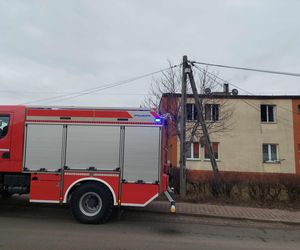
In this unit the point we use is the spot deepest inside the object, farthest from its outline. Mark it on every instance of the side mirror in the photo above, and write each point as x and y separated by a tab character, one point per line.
0	123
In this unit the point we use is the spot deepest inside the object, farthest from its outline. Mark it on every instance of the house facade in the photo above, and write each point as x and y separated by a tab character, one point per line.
253	134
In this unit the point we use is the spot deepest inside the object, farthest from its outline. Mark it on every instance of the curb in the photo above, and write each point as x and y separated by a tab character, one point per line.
216	216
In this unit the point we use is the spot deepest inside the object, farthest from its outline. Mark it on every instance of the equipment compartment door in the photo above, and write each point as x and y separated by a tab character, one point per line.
142	154
94	147
45	188
43	150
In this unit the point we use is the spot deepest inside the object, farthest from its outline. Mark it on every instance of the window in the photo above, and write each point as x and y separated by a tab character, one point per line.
298	108
192	150
268	113
211	112
191	112
215	148
270	153
4	123
298	147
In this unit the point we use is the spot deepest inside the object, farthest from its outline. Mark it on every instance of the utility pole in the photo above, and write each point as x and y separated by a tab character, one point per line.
187	72
182	173
201	119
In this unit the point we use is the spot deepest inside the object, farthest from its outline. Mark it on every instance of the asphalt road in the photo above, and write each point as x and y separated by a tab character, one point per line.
27	226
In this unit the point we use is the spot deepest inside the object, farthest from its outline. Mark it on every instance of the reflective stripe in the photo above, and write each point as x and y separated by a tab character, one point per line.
44	201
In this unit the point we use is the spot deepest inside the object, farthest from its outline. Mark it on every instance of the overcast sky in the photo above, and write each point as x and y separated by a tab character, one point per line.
51	48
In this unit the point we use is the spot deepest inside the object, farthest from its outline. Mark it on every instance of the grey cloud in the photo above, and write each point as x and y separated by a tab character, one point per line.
66	46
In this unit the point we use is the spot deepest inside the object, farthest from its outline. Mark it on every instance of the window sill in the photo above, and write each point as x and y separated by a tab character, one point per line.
268	122
271	162
212	121
193	159
209	160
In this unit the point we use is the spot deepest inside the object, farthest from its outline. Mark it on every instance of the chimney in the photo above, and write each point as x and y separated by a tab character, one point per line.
226	88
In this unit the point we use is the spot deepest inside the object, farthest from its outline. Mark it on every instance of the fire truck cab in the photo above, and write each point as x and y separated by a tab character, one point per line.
92	158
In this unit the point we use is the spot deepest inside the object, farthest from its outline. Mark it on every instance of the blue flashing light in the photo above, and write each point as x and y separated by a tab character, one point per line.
158	120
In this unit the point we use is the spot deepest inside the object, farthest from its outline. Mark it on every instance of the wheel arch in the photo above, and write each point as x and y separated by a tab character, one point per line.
72	187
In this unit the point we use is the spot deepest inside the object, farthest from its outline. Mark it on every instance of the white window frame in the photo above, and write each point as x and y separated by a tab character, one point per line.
267	113
192	151
193	112
211	112
207	159
270	153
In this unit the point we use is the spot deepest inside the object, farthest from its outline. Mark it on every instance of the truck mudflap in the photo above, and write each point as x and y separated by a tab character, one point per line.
171	197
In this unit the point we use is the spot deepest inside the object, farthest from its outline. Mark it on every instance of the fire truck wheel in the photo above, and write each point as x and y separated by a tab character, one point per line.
92	203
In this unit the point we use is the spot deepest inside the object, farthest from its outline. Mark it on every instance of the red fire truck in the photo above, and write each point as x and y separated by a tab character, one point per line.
95	159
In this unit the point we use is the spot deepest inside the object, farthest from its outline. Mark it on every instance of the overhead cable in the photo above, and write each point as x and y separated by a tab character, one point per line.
99	88
248	69
214	77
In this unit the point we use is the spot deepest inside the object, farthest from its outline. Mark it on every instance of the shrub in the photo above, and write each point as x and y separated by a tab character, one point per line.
262	188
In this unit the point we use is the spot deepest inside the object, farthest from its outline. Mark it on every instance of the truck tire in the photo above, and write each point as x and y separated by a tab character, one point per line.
92	203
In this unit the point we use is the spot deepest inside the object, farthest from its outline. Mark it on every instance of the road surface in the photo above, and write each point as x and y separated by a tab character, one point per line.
27	226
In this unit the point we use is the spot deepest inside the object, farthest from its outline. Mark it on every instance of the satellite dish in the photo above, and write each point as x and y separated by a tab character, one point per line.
207	91
235	92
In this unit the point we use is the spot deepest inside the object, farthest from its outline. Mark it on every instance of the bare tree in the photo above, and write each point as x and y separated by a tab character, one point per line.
170	82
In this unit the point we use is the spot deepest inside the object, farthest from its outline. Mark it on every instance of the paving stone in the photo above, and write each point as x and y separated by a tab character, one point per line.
232	212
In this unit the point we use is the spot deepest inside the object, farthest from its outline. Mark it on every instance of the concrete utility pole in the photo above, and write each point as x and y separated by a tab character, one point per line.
187	72
182	173
201	119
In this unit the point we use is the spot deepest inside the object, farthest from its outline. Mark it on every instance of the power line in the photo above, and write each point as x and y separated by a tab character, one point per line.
224	81
214	77
251	105
92	90
66	93
246	91
248	69
108	86
99	88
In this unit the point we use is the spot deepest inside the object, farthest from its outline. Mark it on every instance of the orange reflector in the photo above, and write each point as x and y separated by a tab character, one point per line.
173	209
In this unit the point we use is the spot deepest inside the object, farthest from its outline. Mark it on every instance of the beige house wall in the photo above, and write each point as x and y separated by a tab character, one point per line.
240	148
